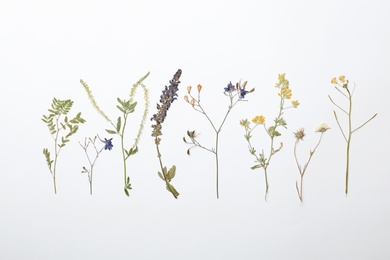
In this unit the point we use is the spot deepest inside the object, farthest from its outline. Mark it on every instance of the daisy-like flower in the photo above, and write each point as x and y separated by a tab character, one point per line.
321	128
300	134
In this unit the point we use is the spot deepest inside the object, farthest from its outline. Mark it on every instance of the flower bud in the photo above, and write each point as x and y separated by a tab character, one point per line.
199	87
189	89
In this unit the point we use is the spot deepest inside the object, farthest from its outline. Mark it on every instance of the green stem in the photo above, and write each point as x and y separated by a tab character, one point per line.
348	141
162	169
123	150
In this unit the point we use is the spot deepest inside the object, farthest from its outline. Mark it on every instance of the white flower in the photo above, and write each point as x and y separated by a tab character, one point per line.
321	128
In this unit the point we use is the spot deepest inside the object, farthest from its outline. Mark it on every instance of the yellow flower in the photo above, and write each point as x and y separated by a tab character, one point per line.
189	89
259	120
192	102
334	80
286	93
199	87
186	99
295	103
342	79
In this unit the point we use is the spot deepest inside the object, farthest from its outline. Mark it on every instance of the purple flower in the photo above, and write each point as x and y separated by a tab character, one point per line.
230	87
243	91
108	144
166	99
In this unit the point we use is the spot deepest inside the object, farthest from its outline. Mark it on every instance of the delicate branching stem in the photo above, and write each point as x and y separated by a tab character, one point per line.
299	136
340	84
195	102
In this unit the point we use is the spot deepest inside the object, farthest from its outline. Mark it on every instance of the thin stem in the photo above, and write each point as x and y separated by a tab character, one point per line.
348	141
123	149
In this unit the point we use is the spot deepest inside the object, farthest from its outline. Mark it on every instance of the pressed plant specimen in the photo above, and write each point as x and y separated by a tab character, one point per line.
263	159
126	107
341	84
235	93
88	142
58	122
169	94
299	134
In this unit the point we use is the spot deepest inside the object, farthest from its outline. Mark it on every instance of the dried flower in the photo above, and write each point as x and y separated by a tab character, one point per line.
300	134
321	128
167	97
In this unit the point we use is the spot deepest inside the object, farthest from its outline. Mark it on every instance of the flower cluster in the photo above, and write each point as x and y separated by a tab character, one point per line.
169	94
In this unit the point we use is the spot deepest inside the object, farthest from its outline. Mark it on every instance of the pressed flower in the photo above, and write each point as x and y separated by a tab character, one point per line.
230	88
235	93
346	133
186	99
321	128
302	169
262	159
258	120
108	144
189	89
300	134
295	103
167	97
242	90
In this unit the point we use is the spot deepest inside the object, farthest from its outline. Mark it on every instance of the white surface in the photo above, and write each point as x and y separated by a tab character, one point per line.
47	47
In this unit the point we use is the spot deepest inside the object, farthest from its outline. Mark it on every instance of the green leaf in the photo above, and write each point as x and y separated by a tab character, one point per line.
171	173
133	150
126	192
188	151
256	166
184	139
161	176
111	132
118	124
121	109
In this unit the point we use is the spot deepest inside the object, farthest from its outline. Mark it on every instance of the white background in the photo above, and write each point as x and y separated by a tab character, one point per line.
48	46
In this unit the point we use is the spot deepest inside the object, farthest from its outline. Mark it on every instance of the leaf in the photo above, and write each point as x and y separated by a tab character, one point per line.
127	192
118	124
121	109
184	139
188	151
161	176
111	132
171	173
133	150
256	166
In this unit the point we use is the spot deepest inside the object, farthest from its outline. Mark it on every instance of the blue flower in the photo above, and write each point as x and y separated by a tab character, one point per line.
230	87
243	91
108	144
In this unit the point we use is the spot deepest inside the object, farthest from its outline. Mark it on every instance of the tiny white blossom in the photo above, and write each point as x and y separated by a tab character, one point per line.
321	128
